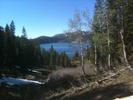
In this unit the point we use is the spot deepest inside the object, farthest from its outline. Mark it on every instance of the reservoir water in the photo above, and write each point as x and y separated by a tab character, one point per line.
69	48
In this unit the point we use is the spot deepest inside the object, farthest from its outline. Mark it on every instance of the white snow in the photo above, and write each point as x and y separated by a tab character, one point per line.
35	71
17	81
125	98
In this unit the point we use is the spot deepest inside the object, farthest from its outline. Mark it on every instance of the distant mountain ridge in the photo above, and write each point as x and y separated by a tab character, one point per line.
54	39
60	38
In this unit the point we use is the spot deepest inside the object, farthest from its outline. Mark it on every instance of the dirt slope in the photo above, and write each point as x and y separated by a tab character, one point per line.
120	85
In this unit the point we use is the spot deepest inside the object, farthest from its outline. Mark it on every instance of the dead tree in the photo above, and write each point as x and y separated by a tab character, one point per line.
124	50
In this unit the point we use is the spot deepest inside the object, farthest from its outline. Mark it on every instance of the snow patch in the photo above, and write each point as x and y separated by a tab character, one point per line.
125	98
17	81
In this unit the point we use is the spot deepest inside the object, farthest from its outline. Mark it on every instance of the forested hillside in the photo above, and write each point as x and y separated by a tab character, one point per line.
22	52
110	54
53	39
103	70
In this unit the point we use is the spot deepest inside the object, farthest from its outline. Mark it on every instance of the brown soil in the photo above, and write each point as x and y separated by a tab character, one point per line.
117	86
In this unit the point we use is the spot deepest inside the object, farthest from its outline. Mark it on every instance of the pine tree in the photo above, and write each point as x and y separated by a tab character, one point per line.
99	36
24	33
120	28
2	46
12	28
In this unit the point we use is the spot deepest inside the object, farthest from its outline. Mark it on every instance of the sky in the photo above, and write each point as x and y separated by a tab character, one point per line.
41	17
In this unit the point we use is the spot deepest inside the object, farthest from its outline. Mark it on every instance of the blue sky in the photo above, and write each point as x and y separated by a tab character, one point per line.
41	17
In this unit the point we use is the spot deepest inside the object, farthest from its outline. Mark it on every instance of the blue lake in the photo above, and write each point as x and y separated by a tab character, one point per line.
69	48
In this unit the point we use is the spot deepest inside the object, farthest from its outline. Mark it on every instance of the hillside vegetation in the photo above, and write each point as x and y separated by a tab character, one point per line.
101	71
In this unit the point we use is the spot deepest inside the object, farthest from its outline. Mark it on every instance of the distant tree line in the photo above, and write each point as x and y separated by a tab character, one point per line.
20	51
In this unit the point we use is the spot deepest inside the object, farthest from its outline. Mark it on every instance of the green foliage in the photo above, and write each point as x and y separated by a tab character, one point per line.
117	15
76	56
24	34
64	60
123	10
12	28
99	37
19	51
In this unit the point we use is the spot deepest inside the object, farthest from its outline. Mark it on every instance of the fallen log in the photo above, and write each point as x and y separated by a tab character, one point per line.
112	75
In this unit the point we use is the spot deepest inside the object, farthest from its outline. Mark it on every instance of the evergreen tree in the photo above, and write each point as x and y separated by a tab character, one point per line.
111	32
120	27
99	36
24	33
20	51
7	29
12	28
2	46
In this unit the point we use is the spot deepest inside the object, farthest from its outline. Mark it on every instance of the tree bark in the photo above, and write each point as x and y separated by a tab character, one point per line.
122	31
95	55
124	50
82	58
108	32
123	47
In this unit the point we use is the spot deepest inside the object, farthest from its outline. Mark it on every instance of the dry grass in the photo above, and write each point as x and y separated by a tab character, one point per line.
69	77
77	91
73	72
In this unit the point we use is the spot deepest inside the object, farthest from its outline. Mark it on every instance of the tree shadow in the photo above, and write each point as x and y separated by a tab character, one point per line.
107	93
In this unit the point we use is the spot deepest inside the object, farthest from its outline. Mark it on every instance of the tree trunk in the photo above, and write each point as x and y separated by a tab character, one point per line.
108	32
109	62
122	31
95	55
124	50
82	58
